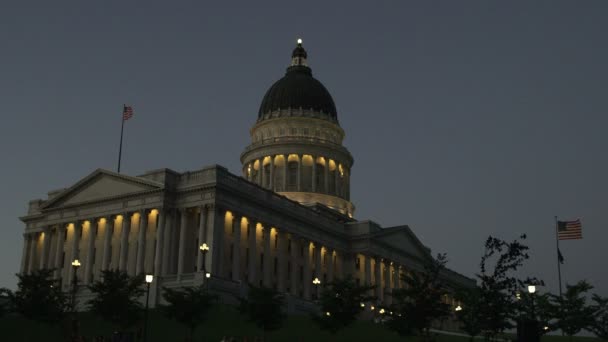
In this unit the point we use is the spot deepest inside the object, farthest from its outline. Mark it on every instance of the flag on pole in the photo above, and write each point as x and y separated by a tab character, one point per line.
560	257
127	113
569	230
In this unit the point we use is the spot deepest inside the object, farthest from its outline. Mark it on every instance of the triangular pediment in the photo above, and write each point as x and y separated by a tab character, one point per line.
402	238
99	185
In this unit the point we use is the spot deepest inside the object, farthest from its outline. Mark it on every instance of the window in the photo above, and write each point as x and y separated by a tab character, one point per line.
247	257
276	242
262	261
276	266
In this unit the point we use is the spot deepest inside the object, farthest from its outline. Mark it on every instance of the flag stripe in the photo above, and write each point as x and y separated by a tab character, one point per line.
127	113
569	230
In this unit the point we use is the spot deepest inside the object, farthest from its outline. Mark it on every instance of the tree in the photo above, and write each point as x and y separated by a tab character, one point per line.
573	313
498	288
6	301
264	307
537	308
600	324
188	305
420	303
39	297
116	298
469	313
341	302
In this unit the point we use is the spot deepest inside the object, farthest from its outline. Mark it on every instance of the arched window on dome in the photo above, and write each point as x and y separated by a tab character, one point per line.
332	177
266	172
306	173
293	162
279	172
255	170
320	175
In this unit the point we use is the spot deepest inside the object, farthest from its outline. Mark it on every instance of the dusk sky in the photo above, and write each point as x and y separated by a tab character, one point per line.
465	118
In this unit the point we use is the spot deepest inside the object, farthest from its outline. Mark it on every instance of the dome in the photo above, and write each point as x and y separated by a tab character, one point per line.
298	89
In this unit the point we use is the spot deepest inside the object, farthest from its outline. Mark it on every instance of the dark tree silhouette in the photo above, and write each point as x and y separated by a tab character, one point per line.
39	297
469	314
264	307
341	303
117	298
420	303
498	287
573	313
188	305
600	324
6	301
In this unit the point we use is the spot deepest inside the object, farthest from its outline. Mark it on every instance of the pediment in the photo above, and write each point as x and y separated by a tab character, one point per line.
402	238
99	185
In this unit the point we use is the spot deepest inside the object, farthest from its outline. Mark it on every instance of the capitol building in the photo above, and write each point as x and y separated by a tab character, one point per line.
284	221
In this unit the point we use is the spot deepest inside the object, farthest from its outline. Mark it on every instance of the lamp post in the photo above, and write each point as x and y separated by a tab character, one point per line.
75	266
204	249
316	282
149	279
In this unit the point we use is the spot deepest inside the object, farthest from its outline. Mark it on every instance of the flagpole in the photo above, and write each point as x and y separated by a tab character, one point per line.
122	127
559	269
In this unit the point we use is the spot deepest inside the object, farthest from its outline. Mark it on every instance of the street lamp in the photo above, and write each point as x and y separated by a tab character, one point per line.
458	308
75	266
316	282
531	288
204	249
149	279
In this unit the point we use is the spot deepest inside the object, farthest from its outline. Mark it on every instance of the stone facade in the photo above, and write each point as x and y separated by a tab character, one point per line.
287	221
154	223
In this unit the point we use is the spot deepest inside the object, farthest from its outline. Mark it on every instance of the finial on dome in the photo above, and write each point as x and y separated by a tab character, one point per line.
298	56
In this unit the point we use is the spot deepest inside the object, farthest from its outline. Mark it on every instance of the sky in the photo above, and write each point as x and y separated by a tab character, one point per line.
465	118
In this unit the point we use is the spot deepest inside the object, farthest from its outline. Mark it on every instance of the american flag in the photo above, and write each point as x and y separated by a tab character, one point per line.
569	230
127	113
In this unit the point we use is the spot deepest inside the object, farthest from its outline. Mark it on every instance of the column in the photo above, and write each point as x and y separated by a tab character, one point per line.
88	271
24	253
387	283
61	231
166	245
348	264
326	176
182	241
271	182
318	264
141	241
295	269
260	171
378	278
201	237
299	173
160	234
337	180
367	270
330	265
74	248
107	243
236	248
124	242
267	257
396	276
215	234
282	257
252	273
285	168
45	248
32	253
314	174
307	270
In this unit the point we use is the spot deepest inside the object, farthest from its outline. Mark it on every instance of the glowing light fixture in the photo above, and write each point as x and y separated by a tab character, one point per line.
299	40
207	275
362	305
327	314
149	278
531	288
316	281
204	247
458	308
76	263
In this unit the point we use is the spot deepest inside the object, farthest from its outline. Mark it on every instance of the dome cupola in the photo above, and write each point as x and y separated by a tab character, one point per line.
298	93
296	144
